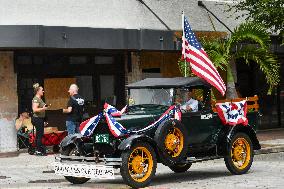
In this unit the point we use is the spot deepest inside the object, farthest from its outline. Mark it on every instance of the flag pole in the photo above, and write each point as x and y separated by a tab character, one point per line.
182	24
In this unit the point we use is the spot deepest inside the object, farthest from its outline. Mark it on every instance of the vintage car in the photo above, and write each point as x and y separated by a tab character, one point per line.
177	143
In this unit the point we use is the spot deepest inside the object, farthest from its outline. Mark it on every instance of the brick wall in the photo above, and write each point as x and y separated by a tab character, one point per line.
8	102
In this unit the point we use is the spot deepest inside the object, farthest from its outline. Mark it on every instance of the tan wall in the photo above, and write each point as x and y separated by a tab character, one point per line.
56	92
8	102
166	61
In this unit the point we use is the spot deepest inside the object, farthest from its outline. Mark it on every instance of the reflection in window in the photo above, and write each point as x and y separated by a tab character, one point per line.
151	96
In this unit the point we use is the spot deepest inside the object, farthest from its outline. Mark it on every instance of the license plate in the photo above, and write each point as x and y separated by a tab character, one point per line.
84	170
102	138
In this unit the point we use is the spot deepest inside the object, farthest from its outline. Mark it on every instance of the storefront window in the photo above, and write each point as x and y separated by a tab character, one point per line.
78	60
24	60
107	89
103	60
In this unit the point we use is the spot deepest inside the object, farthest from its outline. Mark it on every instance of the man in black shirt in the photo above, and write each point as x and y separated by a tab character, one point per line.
74	110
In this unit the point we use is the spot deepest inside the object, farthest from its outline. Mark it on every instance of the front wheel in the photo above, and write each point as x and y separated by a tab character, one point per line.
138	165
180	167
72	151
172	141
240	154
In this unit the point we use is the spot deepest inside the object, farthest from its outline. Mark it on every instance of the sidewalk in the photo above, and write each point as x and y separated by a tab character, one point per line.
271	141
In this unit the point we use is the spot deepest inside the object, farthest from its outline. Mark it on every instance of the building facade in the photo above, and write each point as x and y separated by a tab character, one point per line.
102	46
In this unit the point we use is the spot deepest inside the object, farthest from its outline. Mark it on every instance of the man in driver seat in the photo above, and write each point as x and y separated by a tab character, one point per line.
191	105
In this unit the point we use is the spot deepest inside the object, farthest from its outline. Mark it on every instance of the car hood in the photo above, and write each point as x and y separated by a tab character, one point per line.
140	116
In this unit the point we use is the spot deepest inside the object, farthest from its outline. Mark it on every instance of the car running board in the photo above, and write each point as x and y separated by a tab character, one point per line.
194	160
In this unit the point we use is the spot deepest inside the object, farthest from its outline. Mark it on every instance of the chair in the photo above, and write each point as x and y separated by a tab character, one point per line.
23	138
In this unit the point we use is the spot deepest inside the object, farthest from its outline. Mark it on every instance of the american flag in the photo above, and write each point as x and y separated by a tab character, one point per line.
201	66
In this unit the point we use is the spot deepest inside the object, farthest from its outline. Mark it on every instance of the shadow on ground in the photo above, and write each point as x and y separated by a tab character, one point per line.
160	179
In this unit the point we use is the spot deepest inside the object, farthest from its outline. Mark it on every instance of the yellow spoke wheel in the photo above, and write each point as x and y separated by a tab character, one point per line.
240	154
138	165
174	142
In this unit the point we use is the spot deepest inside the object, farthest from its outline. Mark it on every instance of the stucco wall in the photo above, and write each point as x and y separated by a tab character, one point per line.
129	14
8	103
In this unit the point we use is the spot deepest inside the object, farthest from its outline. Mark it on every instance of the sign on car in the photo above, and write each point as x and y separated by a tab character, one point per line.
84	170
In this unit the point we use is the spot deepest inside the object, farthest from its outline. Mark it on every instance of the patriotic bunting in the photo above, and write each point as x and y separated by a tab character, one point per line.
233	113
87	127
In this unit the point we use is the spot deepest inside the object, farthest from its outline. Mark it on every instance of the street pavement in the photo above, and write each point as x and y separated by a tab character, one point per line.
267	171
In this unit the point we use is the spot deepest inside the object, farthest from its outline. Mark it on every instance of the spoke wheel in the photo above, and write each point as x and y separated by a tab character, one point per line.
138	165
174	142
240	154
72	151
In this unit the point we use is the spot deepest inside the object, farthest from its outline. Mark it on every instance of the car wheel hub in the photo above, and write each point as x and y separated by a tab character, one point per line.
238	153
138	165
171	142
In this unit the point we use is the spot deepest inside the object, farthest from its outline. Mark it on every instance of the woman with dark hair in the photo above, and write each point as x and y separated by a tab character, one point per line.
38	118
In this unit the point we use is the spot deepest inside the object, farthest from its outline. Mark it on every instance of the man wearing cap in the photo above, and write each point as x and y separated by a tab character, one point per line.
74	110
191	104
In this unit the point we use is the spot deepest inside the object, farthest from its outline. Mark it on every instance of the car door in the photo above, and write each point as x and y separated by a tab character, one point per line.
199	125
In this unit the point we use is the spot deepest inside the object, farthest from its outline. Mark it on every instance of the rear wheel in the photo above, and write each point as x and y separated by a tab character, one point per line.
138	165
72	151
180	167
240	154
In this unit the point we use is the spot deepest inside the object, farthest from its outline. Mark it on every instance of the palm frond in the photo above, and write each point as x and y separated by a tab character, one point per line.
184	67
251	33
266	61
216	52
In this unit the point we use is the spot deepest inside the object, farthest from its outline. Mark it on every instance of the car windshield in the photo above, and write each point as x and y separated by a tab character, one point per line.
150	96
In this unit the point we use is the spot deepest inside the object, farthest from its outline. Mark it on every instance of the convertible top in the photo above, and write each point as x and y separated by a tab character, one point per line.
169	82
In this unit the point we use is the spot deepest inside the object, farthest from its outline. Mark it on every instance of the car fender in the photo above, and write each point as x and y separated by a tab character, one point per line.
127	143
70	139
245	129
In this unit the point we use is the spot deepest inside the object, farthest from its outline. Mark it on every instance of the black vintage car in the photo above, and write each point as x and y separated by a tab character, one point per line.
199	136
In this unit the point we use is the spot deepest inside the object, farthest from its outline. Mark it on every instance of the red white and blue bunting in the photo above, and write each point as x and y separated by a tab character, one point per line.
233	113
87	127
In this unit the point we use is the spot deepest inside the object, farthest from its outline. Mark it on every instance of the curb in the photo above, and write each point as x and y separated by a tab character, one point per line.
9	154
269	150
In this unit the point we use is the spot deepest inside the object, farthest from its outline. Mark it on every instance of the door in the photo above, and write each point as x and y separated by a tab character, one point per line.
199	126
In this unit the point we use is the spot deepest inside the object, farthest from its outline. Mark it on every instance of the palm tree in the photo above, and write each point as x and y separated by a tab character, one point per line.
255	48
